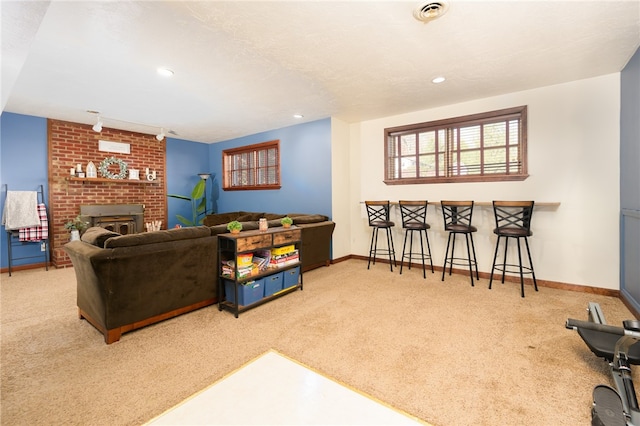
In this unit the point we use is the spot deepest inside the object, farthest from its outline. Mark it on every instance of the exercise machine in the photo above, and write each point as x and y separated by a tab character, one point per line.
620	347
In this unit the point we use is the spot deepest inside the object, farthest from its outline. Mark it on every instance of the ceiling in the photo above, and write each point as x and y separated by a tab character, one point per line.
244	67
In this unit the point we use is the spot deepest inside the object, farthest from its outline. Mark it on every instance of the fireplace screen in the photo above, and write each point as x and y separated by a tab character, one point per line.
121	218
120	224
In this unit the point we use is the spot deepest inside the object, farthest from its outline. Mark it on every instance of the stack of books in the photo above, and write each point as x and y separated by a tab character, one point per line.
284	259
244	271
260	263
257	262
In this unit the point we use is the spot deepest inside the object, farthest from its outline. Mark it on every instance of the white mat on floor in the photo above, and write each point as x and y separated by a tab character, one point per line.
274	390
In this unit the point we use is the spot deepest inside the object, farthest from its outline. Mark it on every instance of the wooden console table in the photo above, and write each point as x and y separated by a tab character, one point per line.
230	246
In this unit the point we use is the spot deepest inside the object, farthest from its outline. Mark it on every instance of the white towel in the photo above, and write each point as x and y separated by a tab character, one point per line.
20	210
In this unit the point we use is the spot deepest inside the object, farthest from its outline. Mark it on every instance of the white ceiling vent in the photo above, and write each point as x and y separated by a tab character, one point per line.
429	10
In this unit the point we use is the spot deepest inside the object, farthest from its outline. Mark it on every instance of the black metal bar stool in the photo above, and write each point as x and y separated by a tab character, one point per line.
414	219
513	220
457	220
378	212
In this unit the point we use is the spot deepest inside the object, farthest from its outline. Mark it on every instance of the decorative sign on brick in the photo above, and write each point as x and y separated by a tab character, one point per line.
119	147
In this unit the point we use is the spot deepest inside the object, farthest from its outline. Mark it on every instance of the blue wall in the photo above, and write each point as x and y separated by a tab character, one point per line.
185	160
630	134
305	155
23	167
630	181
305	171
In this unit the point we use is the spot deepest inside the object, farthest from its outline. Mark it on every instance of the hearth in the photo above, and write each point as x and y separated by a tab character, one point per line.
121	218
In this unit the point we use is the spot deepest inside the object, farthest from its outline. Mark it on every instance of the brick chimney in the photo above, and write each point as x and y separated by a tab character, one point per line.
71	144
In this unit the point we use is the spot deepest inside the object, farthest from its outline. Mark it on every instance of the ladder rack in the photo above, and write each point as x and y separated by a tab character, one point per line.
13	237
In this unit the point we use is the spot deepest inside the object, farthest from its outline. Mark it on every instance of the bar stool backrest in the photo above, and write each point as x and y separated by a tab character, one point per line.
457	214
513	216
378	213
413	212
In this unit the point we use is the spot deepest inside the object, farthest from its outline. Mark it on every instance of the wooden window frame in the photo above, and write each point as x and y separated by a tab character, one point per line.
450	129
252	170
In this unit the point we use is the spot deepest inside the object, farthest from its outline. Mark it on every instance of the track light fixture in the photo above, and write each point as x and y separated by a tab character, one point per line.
98	126
132	126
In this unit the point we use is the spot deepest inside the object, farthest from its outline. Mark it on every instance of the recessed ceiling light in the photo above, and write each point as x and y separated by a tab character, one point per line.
298	116
438	80
166	72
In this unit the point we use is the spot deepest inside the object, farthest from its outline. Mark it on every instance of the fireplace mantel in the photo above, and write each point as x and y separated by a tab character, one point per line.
105	180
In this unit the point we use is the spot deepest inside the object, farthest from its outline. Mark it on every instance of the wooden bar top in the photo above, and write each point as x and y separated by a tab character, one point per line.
490	203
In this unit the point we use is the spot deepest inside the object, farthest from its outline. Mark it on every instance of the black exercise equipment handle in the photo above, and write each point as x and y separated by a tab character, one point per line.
633	325
574	323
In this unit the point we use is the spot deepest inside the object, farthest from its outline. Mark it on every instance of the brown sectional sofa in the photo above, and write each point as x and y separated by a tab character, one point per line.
125	282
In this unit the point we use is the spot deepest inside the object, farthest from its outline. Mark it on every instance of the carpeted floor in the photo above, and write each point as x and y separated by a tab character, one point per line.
444	352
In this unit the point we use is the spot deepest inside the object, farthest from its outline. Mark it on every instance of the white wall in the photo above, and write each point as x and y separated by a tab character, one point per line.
340	188
573	150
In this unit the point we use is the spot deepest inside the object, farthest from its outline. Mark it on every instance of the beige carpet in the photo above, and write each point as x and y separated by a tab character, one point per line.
444	352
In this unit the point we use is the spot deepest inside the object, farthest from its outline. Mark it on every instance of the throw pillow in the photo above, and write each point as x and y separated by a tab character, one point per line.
311	218
97	236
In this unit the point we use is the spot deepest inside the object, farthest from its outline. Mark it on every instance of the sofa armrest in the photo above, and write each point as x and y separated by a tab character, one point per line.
316	244
130	283
91	293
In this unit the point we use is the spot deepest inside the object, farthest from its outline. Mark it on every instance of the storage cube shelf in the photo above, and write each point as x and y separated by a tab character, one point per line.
272	284
290	277
254	273
248	293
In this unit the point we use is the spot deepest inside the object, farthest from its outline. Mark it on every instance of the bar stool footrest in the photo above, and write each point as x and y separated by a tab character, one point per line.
506	269
459	261
414	256
386	252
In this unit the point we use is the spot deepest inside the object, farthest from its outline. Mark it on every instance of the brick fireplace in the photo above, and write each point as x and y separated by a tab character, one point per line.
70	144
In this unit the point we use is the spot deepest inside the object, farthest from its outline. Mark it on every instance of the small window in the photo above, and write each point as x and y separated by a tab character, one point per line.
252	167
484	147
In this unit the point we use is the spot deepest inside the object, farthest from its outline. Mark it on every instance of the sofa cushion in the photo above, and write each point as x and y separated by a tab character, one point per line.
274	223
273	216
310	218
250	226
218	229
222	228
97	236
220	218
154	237
250	217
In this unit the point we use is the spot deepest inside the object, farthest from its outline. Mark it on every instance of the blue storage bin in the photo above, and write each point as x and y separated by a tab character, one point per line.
291	277
272	284
248	292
